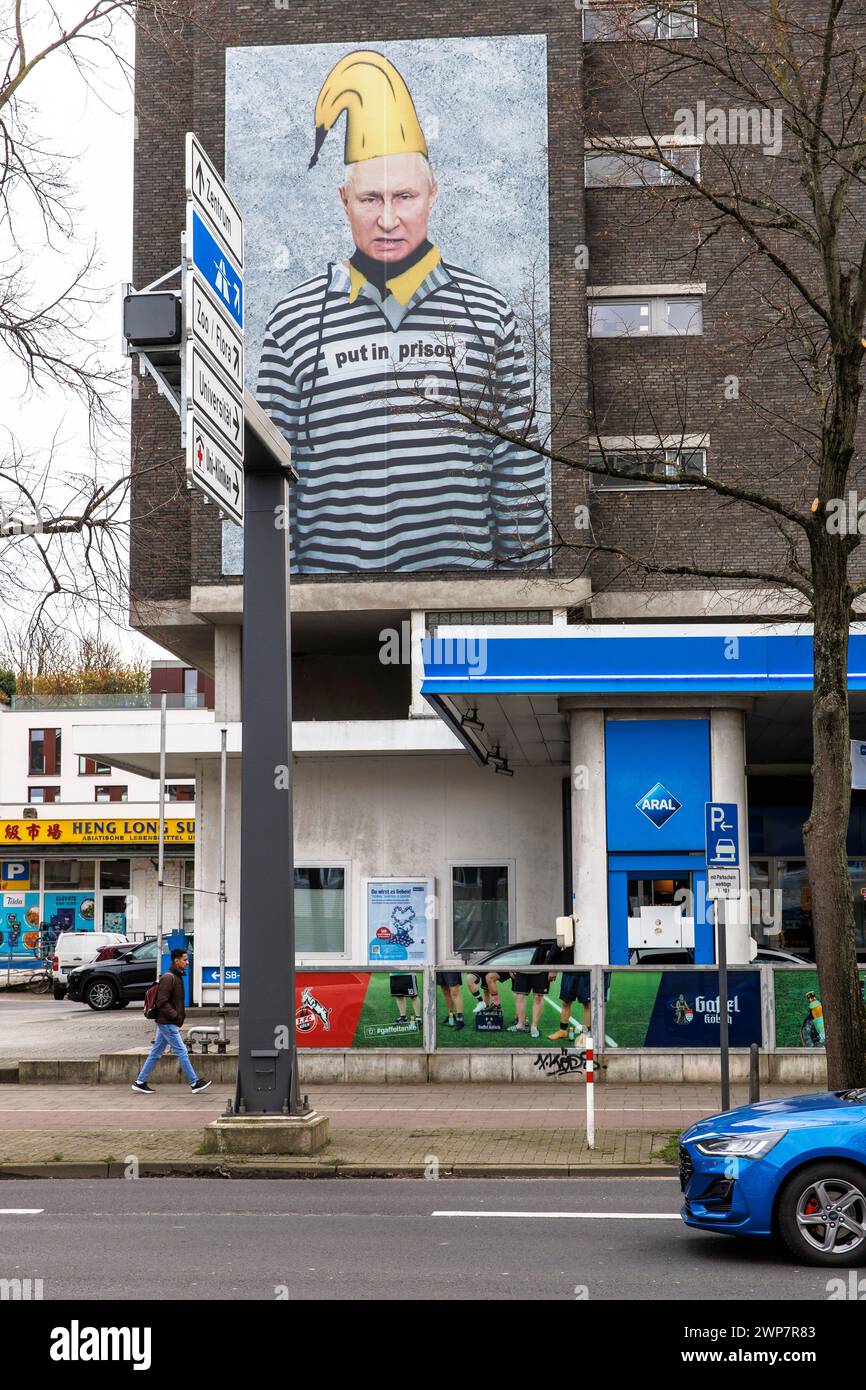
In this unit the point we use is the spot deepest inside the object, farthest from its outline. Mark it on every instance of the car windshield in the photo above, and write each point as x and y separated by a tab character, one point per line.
147	951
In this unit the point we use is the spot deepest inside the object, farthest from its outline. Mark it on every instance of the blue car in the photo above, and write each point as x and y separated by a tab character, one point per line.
793	1167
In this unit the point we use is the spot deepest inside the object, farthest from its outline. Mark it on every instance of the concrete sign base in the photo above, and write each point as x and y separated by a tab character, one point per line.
267	1134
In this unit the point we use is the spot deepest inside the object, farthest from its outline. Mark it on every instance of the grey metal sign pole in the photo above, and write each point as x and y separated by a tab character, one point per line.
267	1060
724	1030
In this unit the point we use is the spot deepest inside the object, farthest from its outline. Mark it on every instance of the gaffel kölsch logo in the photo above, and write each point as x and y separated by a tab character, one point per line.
658	805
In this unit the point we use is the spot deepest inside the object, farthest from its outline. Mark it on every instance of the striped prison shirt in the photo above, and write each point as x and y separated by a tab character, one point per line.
390	476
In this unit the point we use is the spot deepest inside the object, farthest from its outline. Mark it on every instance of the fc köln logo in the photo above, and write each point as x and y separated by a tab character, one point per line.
311	1013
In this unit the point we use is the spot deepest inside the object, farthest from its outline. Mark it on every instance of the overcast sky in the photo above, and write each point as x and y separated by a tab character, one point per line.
94	126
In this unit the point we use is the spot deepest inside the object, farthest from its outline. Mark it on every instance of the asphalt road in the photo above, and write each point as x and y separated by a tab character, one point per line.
533	1239
40	1026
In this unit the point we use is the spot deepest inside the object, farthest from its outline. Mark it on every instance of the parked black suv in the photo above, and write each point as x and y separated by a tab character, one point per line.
112	984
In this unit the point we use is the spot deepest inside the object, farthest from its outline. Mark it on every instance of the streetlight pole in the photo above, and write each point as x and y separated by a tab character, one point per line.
160	868
267	1071
222	892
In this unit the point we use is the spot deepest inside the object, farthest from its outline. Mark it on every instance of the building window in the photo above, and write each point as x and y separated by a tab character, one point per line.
114	882
489	617
113	793
650	316
180	791
70	874
676	19
624	169
43	796
44	758
320	911
686	466
180	879
479	907
114	875
190	688
91	767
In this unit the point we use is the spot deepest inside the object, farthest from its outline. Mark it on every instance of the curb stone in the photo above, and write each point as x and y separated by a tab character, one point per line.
180	1169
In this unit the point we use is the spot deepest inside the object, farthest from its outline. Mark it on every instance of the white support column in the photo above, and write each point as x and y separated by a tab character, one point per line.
728	764
419	708
227	673
589	837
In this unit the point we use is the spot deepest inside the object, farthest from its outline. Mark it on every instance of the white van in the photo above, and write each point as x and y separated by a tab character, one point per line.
78	948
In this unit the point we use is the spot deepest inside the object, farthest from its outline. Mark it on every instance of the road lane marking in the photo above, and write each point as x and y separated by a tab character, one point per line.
569	1215
21	1211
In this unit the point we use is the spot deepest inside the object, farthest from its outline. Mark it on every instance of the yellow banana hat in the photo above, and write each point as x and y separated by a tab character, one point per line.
380	114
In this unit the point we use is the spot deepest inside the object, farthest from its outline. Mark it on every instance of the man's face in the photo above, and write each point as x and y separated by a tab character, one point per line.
182	962
388	202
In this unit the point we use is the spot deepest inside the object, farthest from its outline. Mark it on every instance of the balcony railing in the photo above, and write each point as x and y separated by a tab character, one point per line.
130	700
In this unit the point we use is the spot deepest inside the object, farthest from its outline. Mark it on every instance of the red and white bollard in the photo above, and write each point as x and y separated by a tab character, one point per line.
590	1095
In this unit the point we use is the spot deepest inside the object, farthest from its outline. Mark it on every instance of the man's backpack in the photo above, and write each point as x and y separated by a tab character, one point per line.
150	1001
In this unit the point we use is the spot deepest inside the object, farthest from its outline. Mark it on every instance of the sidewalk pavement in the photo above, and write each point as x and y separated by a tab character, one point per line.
463	1130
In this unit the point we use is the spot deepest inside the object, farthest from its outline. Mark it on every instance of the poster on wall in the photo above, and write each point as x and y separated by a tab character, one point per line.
679	1008
798	1009
19	929
399	924
70	911
540	1010
395	200
359	1008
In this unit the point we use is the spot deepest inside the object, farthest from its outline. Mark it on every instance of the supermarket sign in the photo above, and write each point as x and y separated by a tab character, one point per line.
37	833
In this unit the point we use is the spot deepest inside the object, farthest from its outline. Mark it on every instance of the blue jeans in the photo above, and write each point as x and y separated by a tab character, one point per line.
168	1035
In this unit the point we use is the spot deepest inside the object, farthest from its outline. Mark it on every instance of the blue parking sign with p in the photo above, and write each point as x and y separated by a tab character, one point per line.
722	833
15	871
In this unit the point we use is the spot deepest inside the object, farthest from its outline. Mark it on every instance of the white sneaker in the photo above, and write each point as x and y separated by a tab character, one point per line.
534	1033
479	1007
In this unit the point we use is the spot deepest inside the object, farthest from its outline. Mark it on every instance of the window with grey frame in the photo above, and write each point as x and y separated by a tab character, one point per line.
320	910
479	907
631	169
645	316
662	467
677	19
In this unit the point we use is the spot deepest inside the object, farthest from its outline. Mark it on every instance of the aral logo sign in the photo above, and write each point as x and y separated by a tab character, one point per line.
658	805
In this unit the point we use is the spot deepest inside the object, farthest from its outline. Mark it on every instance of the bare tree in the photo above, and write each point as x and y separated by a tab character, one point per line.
63	529
773	216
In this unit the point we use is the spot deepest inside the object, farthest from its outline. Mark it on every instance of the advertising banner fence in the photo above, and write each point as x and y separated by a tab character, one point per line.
512	1009
359	1008
678	1008
798	1010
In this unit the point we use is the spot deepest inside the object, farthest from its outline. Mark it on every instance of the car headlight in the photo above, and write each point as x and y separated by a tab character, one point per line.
740	1145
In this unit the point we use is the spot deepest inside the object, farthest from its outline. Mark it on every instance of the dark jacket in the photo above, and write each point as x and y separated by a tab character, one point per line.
170	1007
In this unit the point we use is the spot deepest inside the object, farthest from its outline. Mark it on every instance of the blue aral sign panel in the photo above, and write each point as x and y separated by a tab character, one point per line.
722	834
657	775
216	268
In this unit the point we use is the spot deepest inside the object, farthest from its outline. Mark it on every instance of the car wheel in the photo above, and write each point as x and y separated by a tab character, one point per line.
59	991
100	995
822	1213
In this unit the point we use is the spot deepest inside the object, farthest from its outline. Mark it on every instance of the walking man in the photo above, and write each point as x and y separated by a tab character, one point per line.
170	1014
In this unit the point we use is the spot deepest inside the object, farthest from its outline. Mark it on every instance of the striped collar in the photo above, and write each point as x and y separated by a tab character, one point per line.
402	287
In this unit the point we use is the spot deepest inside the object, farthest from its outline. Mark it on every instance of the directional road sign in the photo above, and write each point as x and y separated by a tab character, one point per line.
215	266
214	400
214	468
212	358
210	327
212	199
